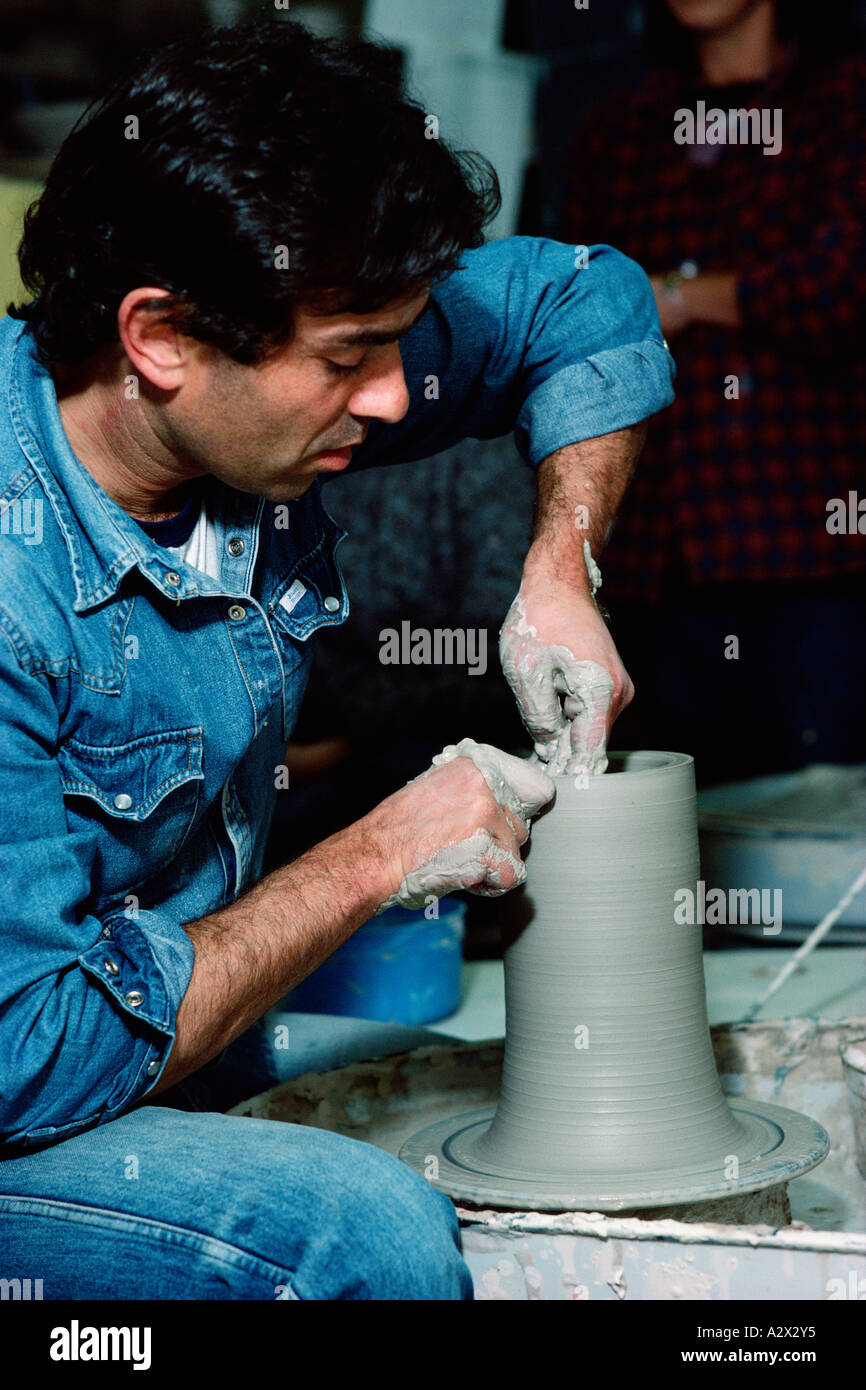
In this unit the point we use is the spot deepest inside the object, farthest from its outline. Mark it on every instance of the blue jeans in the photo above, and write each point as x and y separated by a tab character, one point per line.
176	1201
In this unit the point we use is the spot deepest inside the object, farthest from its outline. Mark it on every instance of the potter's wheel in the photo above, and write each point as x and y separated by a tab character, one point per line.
776	1145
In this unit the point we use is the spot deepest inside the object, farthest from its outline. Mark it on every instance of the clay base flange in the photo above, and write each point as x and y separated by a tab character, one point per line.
780	1144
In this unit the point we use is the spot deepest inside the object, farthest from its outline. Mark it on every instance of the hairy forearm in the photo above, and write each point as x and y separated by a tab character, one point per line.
251	953
580	488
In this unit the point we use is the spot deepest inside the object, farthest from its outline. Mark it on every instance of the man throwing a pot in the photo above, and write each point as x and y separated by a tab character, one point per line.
251	266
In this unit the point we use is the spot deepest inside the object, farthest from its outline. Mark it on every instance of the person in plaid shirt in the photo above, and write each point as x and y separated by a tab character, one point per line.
744	519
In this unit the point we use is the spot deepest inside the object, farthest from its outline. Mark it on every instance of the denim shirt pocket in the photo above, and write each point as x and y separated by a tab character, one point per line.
141	797
311	594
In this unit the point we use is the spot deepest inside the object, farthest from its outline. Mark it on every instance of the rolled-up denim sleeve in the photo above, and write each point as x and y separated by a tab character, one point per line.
556	343
87	1003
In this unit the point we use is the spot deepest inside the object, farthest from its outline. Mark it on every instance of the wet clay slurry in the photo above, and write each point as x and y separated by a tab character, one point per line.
610	1095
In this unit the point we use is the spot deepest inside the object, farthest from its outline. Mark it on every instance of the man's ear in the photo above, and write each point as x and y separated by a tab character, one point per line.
157	351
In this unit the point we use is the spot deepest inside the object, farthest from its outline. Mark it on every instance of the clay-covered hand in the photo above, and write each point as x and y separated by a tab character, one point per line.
566	674
460	824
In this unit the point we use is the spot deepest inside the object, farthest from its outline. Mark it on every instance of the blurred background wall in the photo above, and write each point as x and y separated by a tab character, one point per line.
510	78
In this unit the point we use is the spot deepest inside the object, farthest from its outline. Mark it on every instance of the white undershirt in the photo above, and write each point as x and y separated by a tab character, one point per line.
200	548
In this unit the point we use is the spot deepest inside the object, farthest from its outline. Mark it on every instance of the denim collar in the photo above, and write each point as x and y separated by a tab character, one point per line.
103	541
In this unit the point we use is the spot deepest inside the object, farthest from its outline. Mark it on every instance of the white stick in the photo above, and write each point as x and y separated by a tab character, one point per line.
812	940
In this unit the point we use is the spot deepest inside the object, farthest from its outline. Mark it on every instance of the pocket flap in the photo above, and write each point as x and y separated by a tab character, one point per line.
312	594
130	779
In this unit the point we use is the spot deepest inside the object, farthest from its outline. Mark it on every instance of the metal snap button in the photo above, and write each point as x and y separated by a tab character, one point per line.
123	801
133	998
236	612
111	967
331	603
236	546
172	577
152	1068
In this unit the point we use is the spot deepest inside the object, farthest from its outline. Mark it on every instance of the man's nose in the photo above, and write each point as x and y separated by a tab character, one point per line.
383	395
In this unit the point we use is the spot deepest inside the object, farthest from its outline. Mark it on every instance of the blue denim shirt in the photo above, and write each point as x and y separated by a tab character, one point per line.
145	708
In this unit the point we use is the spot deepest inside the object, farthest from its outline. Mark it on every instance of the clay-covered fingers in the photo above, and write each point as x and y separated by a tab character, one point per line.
587	706
500	854
525	663
528	669
518	785
504	870
565	704
519	828
479	863
540	706
465	820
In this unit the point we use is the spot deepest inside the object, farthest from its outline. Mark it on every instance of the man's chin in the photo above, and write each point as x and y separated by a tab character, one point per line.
290	489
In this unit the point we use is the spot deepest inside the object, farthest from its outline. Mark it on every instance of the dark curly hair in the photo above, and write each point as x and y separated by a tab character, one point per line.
271	169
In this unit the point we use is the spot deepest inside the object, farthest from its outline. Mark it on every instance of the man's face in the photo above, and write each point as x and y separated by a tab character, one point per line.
270	429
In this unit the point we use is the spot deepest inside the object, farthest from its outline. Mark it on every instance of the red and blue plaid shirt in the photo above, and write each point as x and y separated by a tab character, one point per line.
737	489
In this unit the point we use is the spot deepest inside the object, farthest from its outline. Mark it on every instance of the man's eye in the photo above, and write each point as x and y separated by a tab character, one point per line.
341	369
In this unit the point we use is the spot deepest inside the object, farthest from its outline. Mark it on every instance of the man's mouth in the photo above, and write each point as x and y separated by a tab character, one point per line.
332	460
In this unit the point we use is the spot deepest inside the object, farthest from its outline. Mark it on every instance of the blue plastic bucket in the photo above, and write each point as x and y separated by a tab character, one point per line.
398	968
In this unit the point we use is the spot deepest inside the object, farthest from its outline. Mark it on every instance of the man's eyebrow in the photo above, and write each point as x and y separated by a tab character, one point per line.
369	337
